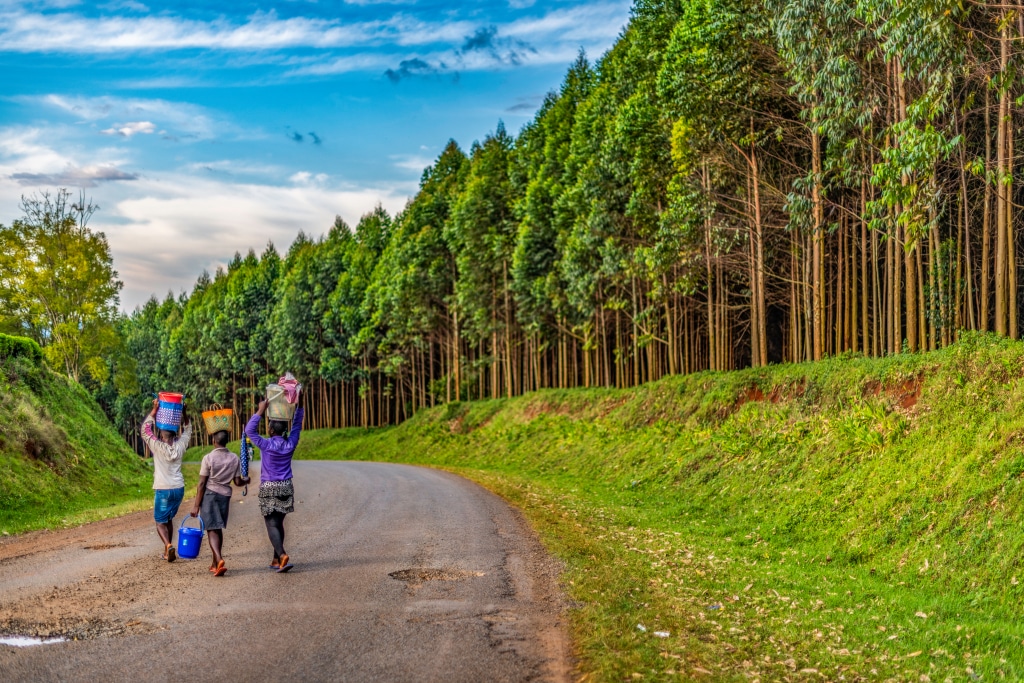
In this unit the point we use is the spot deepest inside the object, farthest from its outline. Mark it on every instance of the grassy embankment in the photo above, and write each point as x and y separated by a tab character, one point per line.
845	520
61	461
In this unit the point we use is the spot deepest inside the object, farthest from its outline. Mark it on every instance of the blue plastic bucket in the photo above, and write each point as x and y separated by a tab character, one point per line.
190	539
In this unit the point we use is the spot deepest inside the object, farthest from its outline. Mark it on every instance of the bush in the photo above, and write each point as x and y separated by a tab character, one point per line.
20	347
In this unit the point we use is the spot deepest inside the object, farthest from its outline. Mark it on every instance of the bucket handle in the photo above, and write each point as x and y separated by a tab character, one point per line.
202	527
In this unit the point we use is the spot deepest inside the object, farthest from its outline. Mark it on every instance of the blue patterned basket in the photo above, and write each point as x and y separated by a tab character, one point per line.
170	410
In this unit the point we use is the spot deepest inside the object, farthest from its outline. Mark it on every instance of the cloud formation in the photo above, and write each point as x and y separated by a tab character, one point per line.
410	67
130	129
185	119
72	176
304	46
173	228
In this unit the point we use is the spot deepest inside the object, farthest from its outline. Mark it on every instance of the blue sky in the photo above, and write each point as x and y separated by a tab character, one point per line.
201	129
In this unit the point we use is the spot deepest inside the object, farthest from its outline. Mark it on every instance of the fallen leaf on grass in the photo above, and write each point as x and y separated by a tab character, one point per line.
808	671
912	654
699	670
921	615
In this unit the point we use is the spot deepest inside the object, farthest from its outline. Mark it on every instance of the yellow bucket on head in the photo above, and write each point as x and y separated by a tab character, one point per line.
217	419
278	407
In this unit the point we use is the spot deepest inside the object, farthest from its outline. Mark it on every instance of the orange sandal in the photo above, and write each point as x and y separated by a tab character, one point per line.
221	569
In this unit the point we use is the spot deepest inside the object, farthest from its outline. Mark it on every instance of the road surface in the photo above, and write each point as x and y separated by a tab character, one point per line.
401	574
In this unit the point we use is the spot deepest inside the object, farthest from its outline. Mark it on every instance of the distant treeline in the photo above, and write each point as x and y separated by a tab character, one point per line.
736	182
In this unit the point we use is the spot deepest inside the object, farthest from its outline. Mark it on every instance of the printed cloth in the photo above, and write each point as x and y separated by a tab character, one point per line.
277	496
291	387
220	466
244	456
275	452
166	458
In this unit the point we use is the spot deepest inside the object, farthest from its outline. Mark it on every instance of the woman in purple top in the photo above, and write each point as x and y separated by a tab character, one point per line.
277	495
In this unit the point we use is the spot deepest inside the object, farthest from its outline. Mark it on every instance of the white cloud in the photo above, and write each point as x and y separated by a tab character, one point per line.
307	179
66	32
234	167
411	162
165	229
45	157
22	31
183	118
173	228
131	128
544	40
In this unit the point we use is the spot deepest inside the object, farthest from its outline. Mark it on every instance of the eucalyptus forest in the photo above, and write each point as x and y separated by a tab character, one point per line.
735	183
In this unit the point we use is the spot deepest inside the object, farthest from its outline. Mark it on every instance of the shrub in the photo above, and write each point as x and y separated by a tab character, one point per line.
20	347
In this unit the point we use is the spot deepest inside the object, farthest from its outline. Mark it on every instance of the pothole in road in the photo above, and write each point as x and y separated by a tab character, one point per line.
421	574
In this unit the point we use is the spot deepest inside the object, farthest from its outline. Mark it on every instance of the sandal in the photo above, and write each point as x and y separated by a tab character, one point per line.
221	569
284	566
170	554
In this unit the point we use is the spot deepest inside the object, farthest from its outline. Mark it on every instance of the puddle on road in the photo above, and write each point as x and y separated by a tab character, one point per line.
28	641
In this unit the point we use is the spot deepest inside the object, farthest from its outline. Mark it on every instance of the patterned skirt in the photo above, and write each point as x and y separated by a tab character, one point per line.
277	496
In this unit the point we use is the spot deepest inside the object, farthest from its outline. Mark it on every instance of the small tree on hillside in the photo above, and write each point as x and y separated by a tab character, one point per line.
59	283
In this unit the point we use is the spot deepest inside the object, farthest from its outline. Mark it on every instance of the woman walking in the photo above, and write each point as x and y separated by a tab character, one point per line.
277	495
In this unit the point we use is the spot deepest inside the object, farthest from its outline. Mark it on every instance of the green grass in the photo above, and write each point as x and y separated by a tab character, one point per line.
61	461
849	518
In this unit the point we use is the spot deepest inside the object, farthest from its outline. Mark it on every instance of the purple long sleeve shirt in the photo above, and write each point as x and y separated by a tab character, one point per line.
275	452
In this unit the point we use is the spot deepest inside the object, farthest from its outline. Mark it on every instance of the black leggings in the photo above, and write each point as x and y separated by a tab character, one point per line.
275	530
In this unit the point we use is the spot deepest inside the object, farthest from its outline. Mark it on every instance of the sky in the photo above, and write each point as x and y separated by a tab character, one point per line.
200	129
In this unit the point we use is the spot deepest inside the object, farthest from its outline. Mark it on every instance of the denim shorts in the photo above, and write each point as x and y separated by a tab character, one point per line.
165	504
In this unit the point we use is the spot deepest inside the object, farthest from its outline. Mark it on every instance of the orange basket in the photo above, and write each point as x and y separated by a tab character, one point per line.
217	419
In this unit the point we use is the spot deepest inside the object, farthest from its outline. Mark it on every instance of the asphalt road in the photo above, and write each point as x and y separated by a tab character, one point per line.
401	574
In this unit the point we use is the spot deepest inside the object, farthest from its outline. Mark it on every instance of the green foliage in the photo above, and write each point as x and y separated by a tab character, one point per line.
59	285
20	347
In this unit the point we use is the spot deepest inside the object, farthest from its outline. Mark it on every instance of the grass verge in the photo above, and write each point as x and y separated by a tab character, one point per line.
843	520
61	461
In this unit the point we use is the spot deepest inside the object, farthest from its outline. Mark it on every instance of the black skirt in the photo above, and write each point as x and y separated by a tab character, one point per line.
214	510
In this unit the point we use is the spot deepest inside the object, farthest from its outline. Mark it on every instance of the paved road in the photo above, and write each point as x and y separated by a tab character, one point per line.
401	574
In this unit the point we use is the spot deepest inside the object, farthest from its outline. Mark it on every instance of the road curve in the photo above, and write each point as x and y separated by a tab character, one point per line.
401	574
